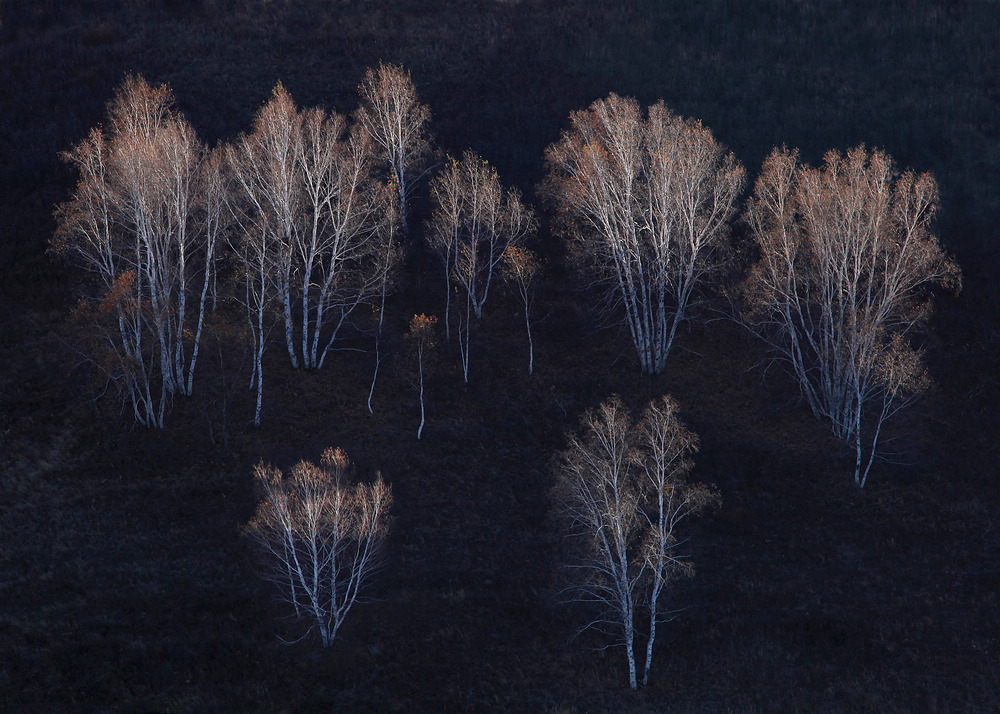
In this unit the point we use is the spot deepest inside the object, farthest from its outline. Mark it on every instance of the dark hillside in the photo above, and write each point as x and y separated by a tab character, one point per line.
125	583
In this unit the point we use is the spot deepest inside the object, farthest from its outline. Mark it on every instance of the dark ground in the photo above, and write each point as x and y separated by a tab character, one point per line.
125	584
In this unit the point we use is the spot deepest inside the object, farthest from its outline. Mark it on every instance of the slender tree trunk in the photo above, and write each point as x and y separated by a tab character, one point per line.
464	337
209	279
179	322
420	362
286	299
531	345
378	361
259	359
308	359
654	596
447	296
259	350
378	334
401	180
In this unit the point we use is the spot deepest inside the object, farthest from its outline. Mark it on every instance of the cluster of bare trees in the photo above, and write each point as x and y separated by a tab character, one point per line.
315	226
313	205
473	225
845	254
309	202
622	491
310	206
301	200
145	221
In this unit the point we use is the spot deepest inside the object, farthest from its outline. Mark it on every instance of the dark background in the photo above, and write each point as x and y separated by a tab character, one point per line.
125	584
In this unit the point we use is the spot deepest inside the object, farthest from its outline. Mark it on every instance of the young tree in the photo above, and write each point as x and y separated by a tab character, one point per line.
621	490
421	339
254	248
391	256
146	217
321	537
397	122
445	226
846	261
473	223
647	202
521	267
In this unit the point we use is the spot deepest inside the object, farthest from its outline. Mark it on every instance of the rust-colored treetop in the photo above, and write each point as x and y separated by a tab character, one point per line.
422	327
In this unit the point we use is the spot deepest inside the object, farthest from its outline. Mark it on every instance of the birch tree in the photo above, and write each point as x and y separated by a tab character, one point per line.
445	227
397	122
321	537
346	252
846	262
622	492
521	268
321	219
646	199
255	249
145	220
473	223
422	343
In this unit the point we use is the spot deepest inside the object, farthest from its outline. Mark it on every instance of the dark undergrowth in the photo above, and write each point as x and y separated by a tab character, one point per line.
125	584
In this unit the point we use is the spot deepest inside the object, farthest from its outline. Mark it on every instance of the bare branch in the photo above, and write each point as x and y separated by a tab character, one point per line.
846	264
646	202
396	122
320	537
622	493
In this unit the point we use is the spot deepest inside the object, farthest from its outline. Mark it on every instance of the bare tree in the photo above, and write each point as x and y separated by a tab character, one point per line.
146	217
397	122
473	223
345	252
846	262
255	250
270	198
391	255
444	228
647	202
521	267
321	537
421	338
622	490
321	221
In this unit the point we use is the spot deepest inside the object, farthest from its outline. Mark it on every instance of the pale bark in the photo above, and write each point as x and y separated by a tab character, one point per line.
622	491
647	202
846	261
321	537
146	207
396	122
